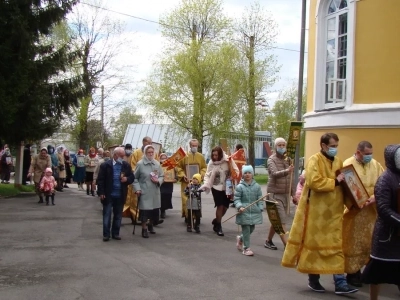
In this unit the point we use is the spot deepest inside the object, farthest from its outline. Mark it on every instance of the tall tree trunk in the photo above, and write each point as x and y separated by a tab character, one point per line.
198	95
84	109
251	102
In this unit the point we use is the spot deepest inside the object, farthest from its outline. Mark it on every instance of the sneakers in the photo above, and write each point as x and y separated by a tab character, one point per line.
316	286
247	252
270	245
239	243
345	289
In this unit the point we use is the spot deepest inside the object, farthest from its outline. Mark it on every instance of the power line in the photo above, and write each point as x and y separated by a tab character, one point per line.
162	24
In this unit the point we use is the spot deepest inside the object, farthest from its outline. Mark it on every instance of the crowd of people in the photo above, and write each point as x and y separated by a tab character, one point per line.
330	234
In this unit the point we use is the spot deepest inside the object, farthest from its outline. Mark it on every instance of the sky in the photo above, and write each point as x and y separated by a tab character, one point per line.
145	37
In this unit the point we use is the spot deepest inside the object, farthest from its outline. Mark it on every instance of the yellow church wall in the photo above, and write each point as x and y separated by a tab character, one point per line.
377	60
349	138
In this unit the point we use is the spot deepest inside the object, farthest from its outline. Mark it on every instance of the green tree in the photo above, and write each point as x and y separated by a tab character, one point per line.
195	84
98	38
127	116
284	111
256	32
35	89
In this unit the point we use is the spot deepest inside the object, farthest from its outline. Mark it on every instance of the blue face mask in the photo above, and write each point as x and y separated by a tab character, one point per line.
331	152
281	150
119	160
367	158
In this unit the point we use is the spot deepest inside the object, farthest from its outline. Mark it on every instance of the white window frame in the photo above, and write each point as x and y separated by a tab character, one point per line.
320	59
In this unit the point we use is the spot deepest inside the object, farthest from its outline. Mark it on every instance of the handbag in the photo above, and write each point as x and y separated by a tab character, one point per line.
62	167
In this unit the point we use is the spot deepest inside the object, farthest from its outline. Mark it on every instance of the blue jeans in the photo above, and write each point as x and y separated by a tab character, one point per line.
115	206
339	279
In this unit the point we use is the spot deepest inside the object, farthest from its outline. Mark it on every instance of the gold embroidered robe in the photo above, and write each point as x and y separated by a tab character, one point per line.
191	159
358	225
315	239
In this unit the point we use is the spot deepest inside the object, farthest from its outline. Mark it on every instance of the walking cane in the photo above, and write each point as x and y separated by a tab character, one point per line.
137	211
190	199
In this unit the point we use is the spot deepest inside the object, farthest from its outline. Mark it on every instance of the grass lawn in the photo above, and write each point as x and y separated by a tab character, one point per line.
7	190
261	178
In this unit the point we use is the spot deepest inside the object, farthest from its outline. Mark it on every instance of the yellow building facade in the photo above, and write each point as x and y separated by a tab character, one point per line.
353	74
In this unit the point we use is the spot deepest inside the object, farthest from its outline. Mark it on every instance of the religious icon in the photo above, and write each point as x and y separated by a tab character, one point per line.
169	175
353	186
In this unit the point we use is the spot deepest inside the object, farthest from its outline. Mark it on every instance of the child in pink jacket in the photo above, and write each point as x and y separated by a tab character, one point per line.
299	188
48	185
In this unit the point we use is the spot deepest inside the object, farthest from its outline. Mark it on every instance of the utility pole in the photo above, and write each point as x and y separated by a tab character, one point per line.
102	116
251	103
300	84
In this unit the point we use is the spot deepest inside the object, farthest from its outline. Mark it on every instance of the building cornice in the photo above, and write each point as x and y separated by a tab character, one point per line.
383	115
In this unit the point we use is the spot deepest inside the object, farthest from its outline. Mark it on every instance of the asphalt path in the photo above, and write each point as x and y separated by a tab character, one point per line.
57	252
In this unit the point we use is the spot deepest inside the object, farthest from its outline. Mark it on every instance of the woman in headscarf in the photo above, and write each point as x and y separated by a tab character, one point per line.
149	176
79	173
68	164
91	160
384	265
39	164
60	168
218	171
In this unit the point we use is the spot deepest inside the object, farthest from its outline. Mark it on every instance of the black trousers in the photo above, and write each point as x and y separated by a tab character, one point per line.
196	214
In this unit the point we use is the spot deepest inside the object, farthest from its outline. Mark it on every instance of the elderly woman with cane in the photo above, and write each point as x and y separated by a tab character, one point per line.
148	178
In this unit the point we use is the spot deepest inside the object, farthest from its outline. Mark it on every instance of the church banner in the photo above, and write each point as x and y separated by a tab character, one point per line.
294	138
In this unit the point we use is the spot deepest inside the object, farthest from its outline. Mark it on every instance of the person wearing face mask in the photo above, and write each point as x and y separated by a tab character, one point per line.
79	173
315	244
91	160
384	264
279	169
167	188
128	153
131	199
192	158
114	177
39	164
6	163
149	176
358	225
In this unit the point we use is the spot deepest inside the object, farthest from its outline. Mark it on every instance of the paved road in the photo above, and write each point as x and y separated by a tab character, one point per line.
57	252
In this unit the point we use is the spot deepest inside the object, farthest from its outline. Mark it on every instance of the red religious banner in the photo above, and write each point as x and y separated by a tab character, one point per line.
239	157
173	161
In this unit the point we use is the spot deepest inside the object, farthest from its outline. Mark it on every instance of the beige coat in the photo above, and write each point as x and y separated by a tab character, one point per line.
61	161
39	165
278	177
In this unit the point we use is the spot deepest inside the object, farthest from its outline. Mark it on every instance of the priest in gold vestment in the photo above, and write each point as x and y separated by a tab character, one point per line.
358	225
193	158
130	206
315	240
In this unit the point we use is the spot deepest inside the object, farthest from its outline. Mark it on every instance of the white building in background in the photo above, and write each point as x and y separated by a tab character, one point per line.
171	138
60	139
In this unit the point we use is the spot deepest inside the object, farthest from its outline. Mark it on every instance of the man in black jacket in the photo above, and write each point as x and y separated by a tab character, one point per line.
114	177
